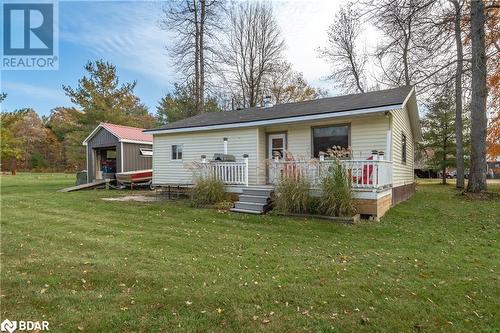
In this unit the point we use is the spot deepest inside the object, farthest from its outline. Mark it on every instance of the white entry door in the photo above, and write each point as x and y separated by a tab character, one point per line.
276	145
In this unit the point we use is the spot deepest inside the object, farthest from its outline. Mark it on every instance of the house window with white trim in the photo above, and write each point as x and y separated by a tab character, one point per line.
177	152
329	136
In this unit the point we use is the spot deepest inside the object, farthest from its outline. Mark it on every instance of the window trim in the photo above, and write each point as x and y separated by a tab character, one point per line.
141	152
177	153
330	125
273	133
404	148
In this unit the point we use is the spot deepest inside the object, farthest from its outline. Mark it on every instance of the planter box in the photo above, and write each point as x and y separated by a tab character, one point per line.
346	220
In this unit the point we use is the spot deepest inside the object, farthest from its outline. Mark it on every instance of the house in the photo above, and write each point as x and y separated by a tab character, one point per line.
115	148
381	127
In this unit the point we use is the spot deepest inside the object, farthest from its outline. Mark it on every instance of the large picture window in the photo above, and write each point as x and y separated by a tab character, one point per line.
327	137
177	152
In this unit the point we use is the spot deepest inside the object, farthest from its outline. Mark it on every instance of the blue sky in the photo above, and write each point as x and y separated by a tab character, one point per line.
127	33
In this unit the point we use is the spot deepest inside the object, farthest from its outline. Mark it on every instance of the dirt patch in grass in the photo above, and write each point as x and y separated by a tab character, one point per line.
137	198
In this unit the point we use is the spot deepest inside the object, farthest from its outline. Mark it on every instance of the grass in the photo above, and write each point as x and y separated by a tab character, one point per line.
431	264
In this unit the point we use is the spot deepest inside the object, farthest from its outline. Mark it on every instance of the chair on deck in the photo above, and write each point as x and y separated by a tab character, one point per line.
366	178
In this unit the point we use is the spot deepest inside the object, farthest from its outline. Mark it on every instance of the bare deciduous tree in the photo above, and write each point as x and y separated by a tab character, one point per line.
404	52
459	153
477	176
342	51
253	46
196	24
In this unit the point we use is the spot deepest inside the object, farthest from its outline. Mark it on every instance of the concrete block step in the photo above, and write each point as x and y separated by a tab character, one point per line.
261	207
255	191
236	210
254	199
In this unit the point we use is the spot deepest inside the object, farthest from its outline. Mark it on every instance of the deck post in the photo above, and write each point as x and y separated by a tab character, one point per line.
225	146
204	171
380	168
245	159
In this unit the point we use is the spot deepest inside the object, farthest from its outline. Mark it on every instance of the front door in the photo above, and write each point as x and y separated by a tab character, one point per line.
276	146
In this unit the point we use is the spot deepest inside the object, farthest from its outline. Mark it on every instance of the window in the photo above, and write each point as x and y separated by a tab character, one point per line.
403	147
177	152
146	152
111	154
327	137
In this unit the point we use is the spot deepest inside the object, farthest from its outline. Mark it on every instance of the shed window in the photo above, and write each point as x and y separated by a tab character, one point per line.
327	137
403	148
111	154
177	152
146	152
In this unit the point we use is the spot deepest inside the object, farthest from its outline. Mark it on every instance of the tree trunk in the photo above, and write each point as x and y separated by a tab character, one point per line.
458	97
477	176
196	58
445	149
201	92
13	167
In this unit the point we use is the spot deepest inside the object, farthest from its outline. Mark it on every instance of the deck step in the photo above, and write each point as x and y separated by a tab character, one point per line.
237	210
254	198
255	191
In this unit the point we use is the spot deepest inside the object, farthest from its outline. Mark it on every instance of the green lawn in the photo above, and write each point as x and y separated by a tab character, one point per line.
431	264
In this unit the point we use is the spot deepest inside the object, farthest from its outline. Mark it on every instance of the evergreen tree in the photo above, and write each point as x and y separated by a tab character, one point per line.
439	133
181	104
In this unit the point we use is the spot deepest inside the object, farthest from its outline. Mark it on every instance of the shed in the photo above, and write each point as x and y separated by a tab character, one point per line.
115	148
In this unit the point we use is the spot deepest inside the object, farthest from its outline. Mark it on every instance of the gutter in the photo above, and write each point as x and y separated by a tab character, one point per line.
293	119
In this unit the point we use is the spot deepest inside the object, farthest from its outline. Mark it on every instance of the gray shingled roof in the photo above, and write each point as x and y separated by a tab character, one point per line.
372	99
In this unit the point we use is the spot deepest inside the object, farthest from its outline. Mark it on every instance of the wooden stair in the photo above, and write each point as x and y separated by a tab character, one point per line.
254	200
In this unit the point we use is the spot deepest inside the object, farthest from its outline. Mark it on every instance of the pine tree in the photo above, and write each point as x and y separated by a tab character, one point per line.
439	133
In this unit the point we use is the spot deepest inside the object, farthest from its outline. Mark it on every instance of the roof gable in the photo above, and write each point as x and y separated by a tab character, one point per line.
123	133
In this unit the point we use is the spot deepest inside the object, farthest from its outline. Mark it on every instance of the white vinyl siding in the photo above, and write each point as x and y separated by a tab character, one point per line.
168	171
402	172
366	134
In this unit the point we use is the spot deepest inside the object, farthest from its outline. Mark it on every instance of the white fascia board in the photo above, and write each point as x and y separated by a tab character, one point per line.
91	134
134	141
279	120
413	115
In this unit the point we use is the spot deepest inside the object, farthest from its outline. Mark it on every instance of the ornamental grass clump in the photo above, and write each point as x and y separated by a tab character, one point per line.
292	195
336	192
207	191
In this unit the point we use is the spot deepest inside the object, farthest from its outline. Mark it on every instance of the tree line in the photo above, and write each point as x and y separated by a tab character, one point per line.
230	55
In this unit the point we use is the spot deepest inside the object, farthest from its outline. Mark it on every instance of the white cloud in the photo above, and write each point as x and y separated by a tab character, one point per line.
31	90
128	34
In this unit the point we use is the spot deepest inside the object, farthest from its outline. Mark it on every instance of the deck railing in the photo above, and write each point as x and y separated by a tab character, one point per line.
230	173
364	174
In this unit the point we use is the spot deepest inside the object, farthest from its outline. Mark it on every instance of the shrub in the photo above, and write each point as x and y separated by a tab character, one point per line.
292	195
224	206
207	191
336	193
38	161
